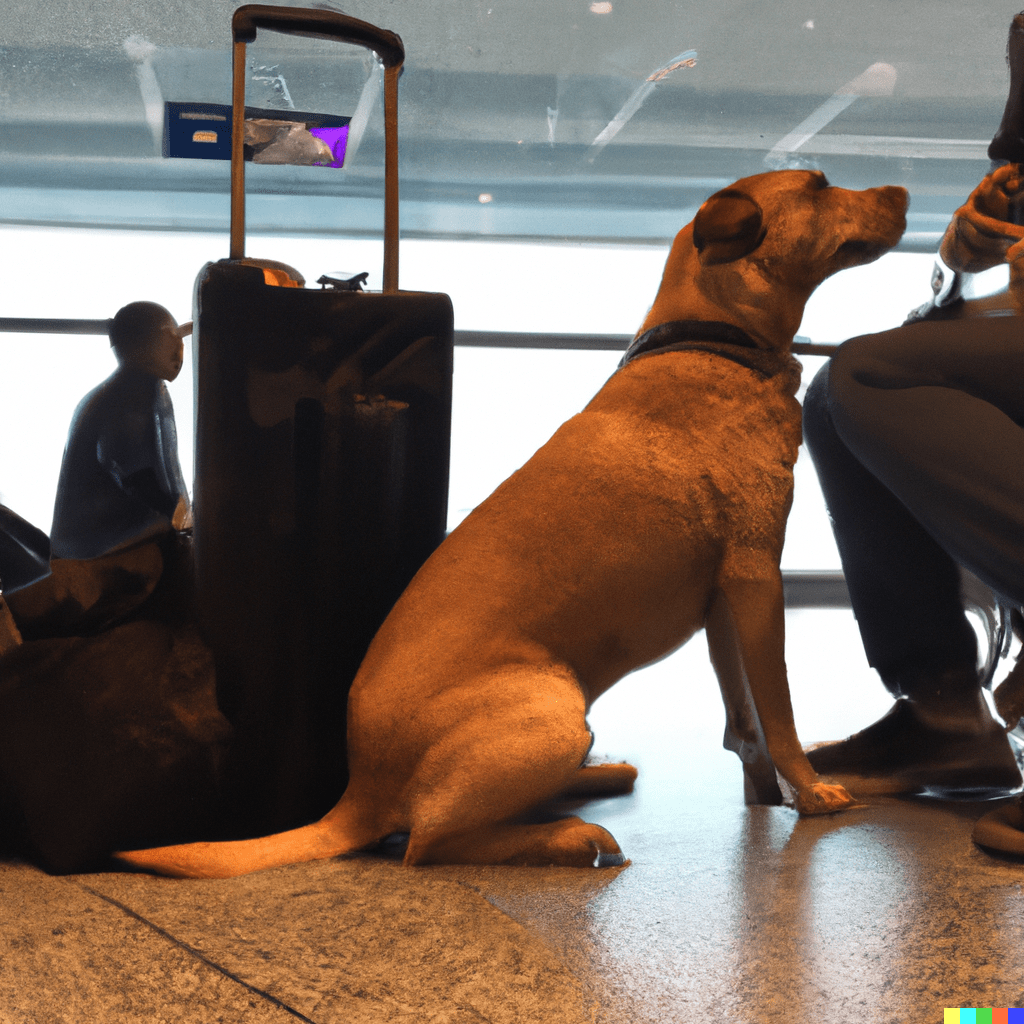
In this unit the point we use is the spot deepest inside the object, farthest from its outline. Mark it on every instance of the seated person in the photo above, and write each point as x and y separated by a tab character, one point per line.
121	494
918	438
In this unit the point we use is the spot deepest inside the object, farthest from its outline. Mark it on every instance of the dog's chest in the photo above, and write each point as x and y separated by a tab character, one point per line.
712	438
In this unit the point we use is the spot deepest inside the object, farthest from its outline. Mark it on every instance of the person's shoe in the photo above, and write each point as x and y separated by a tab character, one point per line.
1002	830
902	754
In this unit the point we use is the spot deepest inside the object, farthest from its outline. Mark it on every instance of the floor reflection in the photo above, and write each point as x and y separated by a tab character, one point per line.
886	913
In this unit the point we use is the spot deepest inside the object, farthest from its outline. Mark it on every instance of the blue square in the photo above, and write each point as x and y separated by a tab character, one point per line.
197	131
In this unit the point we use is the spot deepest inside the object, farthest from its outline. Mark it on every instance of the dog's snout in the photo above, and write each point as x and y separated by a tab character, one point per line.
884	207
894	197
899	190
897	199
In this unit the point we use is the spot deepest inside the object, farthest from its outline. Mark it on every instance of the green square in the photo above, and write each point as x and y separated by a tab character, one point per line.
983	1016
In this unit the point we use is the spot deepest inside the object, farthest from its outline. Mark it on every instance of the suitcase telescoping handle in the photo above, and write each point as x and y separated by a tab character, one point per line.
325	25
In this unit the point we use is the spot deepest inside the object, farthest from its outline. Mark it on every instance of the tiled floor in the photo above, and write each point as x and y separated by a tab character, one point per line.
883	915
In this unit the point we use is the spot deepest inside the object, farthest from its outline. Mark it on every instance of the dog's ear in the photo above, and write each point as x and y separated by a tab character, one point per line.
728	226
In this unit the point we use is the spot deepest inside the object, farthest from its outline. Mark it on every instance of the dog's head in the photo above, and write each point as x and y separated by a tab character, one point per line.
756	250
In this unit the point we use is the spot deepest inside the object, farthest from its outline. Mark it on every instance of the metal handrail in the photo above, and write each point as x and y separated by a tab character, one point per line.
34	325
590	342
802	589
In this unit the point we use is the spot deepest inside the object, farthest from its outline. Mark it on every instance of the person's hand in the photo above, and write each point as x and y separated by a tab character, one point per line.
998	192
982	231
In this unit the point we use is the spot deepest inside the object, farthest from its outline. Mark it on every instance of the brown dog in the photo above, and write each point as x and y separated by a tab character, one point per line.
658	510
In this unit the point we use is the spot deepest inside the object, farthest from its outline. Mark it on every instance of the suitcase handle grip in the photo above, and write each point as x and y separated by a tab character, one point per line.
320	24
329	25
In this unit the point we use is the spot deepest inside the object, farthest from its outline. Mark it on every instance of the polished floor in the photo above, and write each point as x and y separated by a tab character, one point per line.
883	915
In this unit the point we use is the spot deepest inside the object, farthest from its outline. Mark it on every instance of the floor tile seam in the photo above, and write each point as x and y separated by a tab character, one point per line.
195	953
533	932
584	972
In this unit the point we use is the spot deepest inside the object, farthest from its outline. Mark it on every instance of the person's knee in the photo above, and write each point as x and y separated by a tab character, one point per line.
840	402
833	391
852	359
817	425
858	369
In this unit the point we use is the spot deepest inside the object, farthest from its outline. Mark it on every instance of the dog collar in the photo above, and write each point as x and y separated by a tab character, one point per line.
714	336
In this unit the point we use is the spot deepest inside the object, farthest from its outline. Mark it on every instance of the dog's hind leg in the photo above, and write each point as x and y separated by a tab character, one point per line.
519	742
568	842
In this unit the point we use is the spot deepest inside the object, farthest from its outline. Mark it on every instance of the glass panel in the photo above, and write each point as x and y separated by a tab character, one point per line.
519	118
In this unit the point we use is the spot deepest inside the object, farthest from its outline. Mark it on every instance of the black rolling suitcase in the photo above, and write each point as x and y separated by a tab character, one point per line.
321	474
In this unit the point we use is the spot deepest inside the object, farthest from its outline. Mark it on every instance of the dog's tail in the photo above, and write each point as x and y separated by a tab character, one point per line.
339	831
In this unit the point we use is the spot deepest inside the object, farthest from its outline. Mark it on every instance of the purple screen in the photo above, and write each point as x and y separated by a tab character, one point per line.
336	139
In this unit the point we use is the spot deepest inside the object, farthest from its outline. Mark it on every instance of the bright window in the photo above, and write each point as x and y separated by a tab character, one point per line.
507	402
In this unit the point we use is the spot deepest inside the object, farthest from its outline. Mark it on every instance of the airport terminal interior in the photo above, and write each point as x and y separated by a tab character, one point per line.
549	152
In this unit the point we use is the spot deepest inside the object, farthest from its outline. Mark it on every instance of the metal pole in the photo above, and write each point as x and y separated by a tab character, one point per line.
237	250
391	178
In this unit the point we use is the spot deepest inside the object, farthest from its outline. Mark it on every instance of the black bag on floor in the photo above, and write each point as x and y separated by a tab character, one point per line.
109	742
322	445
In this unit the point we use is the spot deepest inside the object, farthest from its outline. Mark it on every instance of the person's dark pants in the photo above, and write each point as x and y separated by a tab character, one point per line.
917	437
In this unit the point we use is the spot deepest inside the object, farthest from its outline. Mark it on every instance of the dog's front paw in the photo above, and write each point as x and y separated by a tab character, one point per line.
824	798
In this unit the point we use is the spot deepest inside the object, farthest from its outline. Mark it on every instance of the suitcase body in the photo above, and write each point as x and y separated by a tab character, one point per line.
321	477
